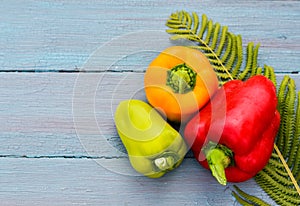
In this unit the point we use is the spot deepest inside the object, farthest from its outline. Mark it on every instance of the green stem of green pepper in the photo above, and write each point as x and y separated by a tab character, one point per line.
218	158
166	161
181	79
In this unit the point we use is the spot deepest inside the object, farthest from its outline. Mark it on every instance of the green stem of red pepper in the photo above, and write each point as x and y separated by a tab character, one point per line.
218	158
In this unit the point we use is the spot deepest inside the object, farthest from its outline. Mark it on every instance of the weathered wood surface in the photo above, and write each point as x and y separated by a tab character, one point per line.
58	141
61	35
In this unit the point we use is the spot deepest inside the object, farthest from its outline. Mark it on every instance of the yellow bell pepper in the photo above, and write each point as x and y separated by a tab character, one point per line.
154	147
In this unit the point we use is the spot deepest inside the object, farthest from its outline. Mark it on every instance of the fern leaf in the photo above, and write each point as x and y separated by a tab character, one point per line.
249	199
215	36
282	195
179	31
293	161
223	76
196	22
281	96
241	200
251	65
269	73
188	20
182	17
203	26
235	71
183	36
291	97
254	60
222	41
226	54
287	97
275	163
207	35
259	71
227	49
209	32
281	178
232	56
203	48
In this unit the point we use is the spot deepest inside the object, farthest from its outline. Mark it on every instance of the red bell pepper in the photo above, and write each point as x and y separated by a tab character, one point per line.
233	135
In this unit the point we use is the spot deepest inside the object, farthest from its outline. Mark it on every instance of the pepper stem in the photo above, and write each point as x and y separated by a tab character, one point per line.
181	79
218	158
166	161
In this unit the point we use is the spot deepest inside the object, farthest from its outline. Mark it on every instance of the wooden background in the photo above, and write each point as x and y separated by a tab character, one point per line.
64	66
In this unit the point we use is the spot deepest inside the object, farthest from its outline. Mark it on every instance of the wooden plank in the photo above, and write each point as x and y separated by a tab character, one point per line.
58	182
61	35
58	141
44	162
57	114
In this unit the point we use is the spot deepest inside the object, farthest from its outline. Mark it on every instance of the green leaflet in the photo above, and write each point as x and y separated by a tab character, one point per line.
275	179
246	199
281	176
223	49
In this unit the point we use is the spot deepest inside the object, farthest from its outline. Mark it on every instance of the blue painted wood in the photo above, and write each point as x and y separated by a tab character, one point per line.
39	113
46	157
84	182
59	145
61	35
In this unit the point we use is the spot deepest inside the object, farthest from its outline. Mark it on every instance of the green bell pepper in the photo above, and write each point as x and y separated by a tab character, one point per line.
154	147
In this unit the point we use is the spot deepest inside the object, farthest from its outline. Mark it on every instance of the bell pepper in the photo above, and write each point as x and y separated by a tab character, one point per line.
154	147
179	81
233	135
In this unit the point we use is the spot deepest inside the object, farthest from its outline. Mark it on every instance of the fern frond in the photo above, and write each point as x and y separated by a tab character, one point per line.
212	39
188	20
294	159
215	36
241	200
274	163
204	48
282	105
270	74
232	56
209	31
203	26
251	64
254	59
227	49
222	40
267	179
291	97
280	178
248	199
239	53
286	96
259	70
179	31
282	195
196	22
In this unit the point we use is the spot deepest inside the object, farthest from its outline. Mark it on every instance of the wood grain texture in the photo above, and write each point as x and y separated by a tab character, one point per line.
58	182
59	145
61	35
43	159
40	113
